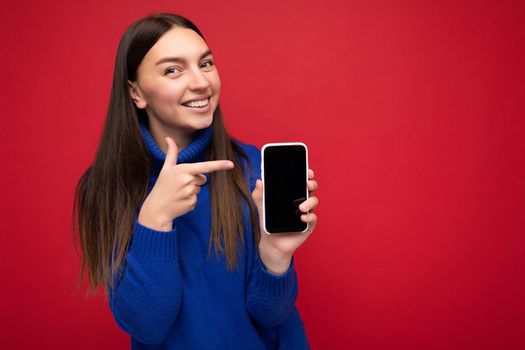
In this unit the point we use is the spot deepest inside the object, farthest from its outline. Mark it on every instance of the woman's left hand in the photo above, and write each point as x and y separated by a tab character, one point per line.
276	250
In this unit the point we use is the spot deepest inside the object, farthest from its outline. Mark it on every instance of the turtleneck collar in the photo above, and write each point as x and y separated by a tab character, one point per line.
193	152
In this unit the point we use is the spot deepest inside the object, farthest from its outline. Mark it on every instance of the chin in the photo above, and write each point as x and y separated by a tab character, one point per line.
202	124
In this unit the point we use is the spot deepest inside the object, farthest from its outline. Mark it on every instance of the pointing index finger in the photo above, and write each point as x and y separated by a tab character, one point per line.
209	166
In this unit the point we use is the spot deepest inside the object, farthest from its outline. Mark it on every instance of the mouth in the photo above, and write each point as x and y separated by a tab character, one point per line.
199	106
199	102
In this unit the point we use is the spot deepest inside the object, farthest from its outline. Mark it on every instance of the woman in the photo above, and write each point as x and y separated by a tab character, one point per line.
166	185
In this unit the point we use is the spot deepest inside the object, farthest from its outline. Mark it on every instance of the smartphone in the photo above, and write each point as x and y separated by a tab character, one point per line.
284	171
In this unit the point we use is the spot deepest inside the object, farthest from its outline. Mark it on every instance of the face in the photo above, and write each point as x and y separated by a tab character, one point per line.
179	68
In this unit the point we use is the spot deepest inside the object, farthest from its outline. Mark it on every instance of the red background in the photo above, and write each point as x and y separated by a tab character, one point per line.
413	112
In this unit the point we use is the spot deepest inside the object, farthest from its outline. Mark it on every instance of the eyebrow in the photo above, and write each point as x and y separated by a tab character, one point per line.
179	59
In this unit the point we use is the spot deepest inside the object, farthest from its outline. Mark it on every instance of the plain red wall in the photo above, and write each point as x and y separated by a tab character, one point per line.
413	112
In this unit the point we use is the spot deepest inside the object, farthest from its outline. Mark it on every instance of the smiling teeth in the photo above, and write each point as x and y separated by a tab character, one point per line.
202	103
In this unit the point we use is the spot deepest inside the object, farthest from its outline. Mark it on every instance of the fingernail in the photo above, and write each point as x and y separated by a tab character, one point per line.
229	165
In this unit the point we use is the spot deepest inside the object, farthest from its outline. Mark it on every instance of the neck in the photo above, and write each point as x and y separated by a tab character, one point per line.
160	131
194	151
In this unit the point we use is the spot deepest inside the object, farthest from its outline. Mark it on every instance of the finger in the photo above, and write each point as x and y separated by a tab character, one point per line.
172	154
312	185
309	204
209	166
200	179
310	174
311	219
257	194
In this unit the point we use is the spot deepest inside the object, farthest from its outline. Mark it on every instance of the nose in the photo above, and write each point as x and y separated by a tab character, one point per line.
198	80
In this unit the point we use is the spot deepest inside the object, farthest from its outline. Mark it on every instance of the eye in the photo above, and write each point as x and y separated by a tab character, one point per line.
210	62
170	69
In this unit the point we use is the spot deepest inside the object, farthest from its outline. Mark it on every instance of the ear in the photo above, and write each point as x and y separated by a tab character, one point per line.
136	95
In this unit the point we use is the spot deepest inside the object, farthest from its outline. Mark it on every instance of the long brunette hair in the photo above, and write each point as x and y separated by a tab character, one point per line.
112	188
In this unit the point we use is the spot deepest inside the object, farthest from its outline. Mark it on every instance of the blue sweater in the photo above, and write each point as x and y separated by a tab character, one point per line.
170	296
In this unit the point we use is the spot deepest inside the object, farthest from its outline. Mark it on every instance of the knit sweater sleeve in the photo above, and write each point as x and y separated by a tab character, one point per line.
270	298
148	292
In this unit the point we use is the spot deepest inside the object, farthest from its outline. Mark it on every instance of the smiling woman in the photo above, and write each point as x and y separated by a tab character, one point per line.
178	85
168	183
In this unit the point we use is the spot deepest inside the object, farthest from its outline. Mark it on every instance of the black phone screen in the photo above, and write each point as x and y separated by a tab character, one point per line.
285	189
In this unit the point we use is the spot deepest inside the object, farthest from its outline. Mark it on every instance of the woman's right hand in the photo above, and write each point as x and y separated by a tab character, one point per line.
175	191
